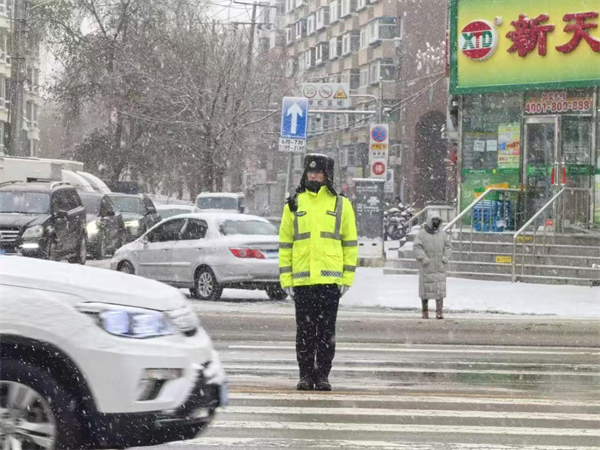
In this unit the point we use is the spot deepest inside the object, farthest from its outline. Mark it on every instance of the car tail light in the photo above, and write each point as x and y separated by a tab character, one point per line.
247	253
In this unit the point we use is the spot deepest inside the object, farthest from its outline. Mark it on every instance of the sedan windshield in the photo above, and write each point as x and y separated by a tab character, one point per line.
128	205
218	203
247	227
24	202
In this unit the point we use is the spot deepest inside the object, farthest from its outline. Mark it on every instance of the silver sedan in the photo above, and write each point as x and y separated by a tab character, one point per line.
206	253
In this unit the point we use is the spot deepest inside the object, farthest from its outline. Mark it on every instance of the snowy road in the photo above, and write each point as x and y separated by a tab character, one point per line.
411	397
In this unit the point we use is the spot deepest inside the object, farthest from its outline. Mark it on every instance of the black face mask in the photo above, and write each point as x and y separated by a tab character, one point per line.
435	223
314	186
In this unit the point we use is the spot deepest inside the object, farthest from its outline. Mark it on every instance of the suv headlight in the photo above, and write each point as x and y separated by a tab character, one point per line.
34	232
129	322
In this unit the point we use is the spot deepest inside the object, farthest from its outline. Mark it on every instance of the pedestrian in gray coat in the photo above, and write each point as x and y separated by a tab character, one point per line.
432	250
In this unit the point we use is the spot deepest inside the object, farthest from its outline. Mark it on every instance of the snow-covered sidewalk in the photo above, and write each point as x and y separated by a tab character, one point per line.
372	288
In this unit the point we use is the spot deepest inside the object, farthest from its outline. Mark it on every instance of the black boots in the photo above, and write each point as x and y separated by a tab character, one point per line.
439	308
305	384
322	385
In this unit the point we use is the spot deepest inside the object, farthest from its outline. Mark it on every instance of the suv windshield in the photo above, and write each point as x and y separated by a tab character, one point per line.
218	203
128	204
24	202
247	227
91	203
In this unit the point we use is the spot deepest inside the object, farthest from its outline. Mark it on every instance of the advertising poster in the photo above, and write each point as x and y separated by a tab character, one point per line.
509	146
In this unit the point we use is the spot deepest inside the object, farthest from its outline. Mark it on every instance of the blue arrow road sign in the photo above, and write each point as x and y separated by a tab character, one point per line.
294	117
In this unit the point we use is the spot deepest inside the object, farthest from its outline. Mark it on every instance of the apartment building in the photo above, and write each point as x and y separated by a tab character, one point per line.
30	138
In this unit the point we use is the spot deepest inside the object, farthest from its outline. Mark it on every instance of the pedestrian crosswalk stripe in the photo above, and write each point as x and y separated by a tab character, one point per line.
401	428
534	351
410	361
279	443
408	413
258	367
410	399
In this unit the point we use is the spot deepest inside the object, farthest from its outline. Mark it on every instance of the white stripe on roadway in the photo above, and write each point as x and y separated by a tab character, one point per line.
310	411
410	370
278	443
392	428
453	349
326	396
399	362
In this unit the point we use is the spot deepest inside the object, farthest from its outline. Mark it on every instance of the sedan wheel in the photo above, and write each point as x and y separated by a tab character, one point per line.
207	287
126	267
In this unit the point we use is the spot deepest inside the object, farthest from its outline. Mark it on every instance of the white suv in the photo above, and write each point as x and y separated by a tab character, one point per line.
100	359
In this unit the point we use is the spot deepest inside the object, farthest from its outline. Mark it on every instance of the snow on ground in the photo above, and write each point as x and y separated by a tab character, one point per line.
372	288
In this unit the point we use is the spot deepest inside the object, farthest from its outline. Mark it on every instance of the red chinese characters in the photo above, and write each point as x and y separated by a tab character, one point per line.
580	31
529	34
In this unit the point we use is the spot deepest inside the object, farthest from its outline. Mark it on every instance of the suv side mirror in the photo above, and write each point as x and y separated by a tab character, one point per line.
62	214
150	211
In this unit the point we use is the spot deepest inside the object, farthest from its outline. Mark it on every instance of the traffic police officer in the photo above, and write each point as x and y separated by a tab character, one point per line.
318	251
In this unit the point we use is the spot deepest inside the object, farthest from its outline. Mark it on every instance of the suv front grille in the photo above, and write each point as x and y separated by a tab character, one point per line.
8	235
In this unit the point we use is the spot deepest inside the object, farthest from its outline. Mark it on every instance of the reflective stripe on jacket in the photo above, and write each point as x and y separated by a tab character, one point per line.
318	244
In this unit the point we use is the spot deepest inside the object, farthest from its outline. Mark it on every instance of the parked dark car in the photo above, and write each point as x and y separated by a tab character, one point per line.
42	220
105	228
138	211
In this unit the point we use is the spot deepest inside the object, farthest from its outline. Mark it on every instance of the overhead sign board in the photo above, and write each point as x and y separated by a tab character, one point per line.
510	45
294	121
327	95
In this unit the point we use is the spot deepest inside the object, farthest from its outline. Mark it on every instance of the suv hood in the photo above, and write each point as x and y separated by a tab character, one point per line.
90	284
22	220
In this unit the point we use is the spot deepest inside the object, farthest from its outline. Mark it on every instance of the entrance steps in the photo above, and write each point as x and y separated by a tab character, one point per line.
563	259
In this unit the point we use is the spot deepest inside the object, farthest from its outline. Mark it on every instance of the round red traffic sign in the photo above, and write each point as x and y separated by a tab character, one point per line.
378	168
478	40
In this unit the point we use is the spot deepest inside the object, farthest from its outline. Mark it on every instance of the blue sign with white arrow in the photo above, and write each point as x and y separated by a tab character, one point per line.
294	117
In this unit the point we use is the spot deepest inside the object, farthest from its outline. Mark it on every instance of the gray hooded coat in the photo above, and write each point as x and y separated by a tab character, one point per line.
433	251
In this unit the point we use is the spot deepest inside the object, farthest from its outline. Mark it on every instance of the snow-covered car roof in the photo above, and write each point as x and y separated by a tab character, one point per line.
221	194
89	284
219	217
174	206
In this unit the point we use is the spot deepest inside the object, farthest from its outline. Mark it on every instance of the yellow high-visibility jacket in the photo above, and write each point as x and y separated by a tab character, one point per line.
318	244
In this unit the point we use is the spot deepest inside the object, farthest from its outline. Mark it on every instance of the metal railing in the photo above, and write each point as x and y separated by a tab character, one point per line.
483	224
554	214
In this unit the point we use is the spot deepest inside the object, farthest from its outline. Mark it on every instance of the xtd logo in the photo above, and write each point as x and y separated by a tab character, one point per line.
478	40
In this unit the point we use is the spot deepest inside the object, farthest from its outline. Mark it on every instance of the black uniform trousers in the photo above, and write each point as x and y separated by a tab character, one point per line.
316	314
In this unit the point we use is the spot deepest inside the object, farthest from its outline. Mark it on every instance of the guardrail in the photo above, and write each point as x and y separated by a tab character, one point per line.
488	219
552	215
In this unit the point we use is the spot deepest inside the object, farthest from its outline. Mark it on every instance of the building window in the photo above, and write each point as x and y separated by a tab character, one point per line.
401	26
289	35
300	29
2	91
361	4
350	43
2	135
322	18
364	41
364	76
289	6
311	24
383	69
346	7
383	28
334	11
3	7
309	58
322	53
290	67
335	48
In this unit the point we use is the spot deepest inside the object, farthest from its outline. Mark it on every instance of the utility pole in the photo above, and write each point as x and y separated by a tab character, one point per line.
251	41
17	78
